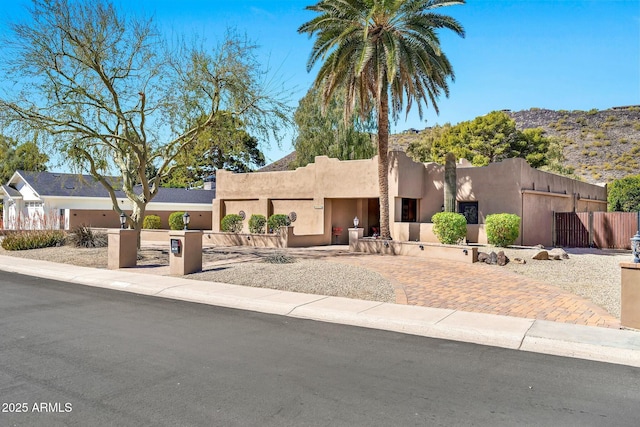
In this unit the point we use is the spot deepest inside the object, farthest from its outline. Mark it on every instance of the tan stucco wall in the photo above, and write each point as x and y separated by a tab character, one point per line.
309	215
199	220
329	193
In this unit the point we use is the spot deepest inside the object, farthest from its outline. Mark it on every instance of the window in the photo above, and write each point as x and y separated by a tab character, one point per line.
409	210
469	210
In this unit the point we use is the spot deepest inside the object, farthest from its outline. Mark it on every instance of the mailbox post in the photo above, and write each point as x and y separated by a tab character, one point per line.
123	248
185	255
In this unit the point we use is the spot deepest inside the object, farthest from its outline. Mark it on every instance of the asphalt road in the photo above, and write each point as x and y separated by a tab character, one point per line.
81	356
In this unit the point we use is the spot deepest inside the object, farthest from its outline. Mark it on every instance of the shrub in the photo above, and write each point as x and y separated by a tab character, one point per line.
279	258
151	222
449	227
624	194
33	239
231	223
84	237
502	229
257	223
276	221
175	221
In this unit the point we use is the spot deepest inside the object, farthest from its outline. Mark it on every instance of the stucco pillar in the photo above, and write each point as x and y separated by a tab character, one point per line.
630	295
354	235
122	251
185	254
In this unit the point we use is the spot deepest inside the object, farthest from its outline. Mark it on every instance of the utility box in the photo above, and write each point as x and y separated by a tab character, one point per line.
123	248
185	256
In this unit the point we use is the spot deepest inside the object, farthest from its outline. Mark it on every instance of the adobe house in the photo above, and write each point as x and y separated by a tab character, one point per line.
64	201
323	198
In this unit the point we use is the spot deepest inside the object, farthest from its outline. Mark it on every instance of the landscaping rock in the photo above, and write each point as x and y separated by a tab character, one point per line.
493	258
502	259
541	255
482	257
519	261
559	253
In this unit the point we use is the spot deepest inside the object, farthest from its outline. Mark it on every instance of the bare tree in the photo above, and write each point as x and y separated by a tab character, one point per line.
106	92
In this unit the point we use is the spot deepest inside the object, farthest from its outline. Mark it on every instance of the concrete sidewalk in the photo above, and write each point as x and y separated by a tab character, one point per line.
561	339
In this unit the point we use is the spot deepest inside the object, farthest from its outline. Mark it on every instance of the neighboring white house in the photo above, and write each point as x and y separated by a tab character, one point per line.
36	200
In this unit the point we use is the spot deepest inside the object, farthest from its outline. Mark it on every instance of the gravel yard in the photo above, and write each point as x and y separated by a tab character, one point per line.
590	273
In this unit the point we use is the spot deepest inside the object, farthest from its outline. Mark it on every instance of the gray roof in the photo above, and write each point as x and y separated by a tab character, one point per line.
76	185
11	192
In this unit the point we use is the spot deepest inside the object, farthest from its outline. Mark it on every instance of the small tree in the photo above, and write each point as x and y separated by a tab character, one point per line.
152	222
502	229
449	227
257	223
175	221
276	221
231	223
103	90
623	195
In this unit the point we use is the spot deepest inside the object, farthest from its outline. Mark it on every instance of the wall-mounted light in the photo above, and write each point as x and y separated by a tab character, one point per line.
185	219
466	252
421	247
386	244
356	222
123	220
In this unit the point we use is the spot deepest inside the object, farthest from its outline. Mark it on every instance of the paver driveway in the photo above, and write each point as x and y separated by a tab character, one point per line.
481	288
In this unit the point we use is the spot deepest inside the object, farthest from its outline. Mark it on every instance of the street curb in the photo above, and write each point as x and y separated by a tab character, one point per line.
560	339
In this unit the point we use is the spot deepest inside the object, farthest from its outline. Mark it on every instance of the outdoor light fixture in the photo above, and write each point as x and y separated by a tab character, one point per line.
123	220
185	220
356	221
635	243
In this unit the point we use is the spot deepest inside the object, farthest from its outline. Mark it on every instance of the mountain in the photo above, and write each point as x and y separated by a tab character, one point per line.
600	145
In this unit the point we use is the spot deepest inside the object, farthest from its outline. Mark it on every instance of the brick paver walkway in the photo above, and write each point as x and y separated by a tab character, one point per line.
481	288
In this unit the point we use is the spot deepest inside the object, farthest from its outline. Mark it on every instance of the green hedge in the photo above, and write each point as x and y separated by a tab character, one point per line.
624	194
276	221
175	221
151	222
502	229
231	223
449	227
257	223
33	239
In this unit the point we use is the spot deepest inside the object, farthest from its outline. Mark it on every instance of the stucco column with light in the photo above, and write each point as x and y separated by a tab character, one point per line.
354	235
123	248
630	295
185	254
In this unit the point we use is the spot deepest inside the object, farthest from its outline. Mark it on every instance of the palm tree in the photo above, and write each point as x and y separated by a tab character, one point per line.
383	52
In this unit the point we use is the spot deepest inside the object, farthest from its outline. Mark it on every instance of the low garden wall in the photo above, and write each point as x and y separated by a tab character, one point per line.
460	253
284	239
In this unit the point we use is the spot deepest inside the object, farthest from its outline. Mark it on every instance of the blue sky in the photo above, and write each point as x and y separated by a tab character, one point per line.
519	54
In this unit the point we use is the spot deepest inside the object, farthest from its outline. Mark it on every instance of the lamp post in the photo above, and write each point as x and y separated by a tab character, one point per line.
123	220
356	222
185	220
635	244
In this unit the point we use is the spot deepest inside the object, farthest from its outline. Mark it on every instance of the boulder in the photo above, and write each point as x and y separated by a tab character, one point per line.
558	253
541	255
482	257
502	259
519	261
493	258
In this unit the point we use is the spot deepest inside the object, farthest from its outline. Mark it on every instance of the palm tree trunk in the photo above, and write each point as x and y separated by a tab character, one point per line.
383	163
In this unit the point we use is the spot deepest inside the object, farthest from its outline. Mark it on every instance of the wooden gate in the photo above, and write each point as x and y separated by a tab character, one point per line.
604	230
